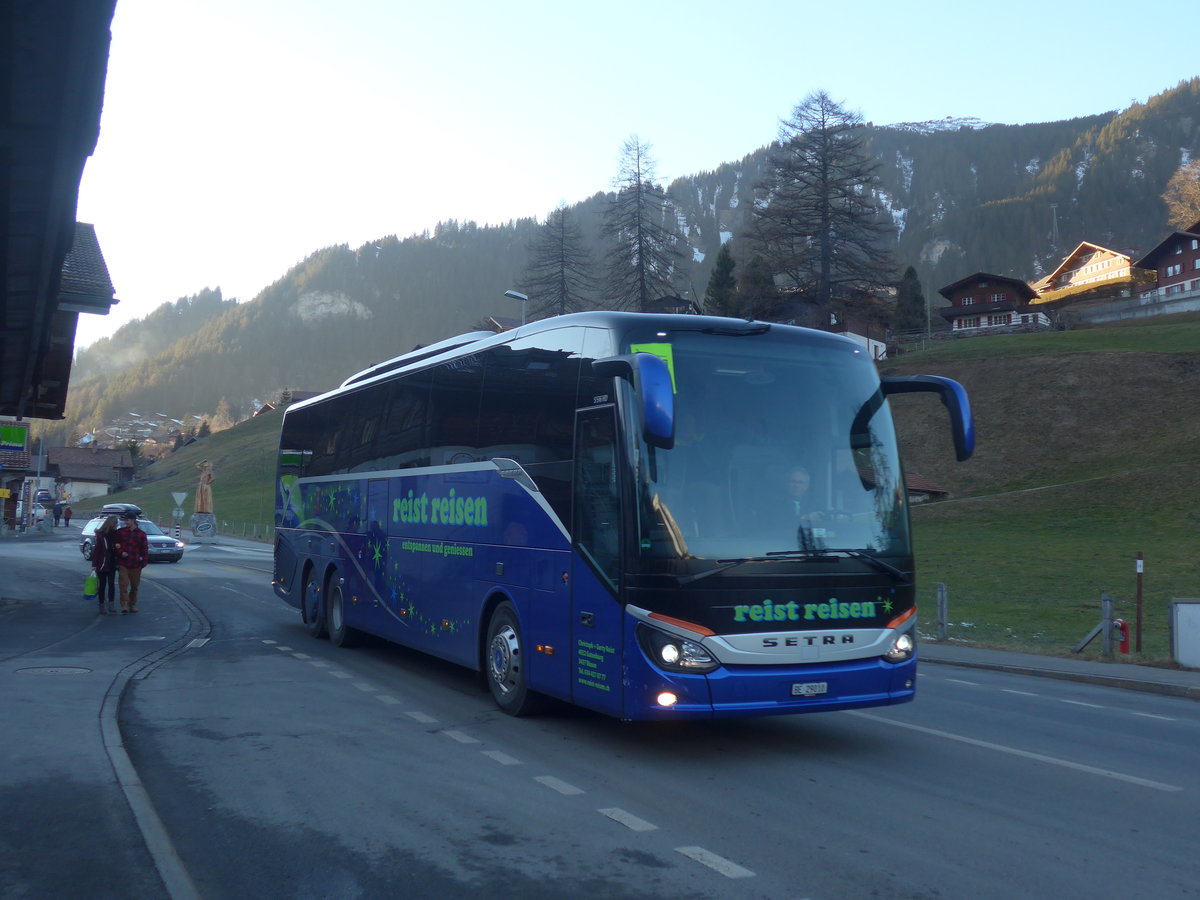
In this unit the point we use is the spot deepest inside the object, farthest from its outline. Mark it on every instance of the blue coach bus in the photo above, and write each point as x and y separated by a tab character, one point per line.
604	508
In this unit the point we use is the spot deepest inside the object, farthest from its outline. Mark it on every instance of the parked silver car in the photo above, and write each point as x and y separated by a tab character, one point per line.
163	547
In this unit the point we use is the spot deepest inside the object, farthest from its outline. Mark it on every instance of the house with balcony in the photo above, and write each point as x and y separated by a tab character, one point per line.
985	302
1087	264
1176	260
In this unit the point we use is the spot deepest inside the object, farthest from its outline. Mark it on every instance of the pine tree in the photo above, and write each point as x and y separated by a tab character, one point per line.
643	256
910	303
758	297
720	297
558	276
820	226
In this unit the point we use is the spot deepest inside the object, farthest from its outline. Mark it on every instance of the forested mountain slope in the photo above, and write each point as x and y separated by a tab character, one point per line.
962	199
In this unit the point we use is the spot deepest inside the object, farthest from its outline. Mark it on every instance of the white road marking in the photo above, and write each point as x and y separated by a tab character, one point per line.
629	820
717	863
364	687
503	758
319	663
420	717
1153	716
460	736
301	656
337	674
387	698
1025	754
557	784
1081	703
196	643
961	681
1019	693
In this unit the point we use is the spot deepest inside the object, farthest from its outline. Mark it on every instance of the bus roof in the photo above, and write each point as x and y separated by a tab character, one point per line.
613	320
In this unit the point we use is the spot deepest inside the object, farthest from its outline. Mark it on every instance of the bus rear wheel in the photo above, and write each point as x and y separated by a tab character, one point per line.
341	634
505	664
313	615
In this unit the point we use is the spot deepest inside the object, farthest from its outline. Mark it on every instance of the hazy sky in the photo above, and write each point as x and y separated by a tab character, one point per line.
239	136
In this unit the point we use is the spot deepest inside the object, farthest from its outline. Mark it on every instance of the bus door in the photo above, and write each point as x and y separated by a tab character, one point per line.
597	615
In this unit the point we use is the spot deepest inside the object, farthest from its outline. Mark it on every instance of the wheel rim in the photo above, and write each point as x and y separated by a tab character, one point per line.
504	658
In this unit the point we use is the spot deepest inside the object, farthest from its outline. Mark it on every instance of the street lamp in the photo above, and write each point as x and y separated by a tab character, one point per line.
517	295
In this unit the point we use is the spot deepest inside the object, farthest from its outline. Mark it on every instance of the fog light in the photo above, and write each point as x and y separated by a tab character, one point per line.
666	698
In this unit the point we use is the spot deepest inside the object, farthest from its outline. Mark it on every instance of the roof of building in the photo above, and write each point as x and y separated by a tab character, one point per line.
920	484
86	285
1084	247
1150	260
1022	288
52	80
89	456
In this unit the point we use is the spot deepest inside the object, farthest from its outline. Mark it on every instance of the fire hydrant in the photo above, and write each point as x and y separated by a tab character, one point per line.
1122	628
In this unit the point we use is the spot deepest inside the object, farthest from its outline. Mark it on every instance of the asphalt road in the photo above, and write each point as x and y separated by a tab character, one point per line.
246	759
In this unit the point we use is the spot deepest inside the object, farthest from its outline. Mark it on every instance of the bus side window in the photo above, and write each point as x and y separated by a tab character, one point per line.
597	522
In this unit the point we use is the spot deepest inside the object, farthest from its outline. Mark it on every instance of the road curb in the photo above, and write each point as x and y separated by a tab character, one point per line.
1188	692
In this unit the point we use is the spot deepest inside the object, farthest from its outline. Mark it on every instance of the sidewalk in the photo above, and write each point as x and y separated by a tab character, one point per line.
1173	682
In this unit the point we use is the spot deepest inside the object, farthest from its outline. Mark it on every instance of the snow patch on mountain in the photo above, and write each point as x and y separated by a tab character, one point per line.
316	305
950	123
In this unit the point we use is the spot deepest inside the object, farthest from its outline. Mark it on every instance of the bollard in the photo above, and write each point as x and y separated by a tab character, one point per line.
942	613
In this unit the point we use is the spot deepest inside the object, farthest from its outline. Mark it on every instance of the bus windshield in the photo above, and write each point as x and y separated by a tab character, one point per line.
783	448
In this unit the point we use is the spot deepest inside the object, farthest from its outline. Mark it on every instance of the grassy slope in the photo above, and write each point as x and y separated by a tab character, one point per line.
243	461
1088	443
1087	450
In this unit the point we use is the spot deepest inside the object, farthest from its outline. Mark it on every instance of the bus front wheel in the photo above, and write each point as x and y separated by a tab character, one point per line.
505	664
341	634
314	616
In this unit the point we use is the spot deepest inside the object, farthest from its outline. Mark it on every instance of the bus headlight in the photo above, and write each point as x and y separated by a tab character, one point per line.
902	648
675	654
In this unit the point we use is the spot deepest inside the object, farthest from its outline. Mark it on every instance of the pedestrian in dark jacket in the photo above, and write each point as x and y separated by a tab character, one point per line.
66	517
133	553
104	561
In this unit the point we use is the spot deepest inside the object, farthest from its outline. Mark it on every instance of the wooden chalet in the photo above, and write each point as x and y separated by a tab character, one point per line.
1176	259
1087	264
984	301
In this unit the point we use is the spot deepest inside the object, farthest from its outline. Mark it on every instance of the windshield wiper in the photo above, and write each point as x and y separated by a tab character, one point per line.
879	564
721	566
823	553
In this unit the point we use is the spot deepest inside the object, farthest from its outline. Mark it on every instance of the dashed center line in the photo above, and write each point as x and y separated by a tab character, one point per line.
714	862
461	737
629	820
557	784
503	758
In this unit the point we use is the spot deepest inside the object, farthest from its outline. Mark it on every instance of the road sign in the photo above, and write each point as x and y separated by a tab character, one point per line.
177	512
179	496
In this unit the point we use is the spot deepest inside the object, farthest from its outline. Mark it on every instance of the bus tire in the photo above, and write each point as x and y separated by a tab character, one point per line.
310	611
341	634
504	664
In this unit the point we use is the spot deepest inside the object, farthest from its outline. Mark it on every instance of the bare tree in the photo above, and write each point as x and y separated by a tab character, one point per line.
1182	196
643	258
558	276
817	221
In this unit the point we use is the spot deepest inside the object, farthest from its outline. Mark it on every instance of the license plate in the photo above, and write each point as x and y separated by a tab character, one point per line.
810	689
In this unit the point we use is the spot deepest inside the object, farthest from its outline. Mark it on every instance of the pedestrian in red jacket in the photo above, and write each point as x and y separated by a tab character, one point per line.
133	552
